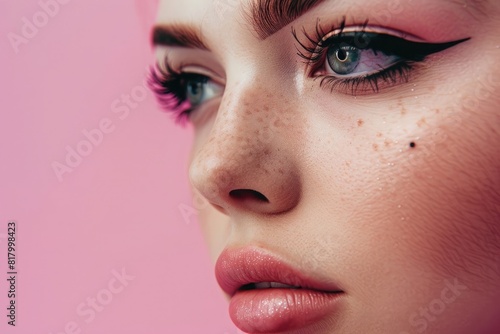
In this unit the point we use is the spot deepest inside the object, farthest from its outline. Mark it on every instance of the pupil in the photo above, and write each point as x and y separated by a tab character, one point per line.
194	88
342	55
195	92
343	60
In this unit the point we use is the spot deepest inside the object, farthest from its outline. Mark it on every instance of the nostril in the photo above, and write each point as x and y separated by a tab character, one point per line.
243	194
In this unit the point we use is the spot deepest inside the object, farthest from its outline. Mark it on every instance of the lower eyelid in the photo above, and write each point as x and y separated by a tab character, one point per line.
389	78
205	111
390	62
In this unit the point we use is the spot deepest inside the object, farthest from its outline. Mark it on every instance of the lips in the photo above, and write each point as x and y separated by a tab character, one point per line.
269	295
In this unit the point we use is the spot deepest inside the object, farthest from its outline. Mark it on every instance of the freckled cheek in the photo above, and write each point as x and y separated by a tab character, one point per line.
376	180
353	170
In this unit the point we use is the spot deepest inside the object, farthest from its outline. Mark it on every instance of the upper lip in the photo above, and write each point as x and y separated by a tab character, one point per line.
237	268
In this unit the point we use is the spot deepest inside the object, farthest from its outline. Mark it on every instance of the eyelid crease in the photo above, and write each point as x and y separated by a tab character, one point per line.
397	73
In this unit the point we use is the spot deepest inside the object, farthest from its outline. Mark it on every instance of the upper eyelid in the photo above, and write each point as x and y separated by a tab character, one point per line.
211	75
170	61
400	43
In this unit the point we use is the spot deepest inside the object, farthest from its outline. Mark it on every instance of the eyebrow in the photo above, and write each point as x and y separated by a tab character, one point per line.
179	35
266	16
269	16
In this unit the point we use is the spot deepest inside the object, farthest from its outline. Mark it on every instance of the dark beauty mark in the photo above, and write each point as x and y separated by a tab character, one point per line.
413	145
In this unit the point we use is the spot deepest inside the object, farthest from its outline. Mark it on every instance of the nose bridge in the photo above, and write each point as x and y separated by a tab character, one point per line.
248	124
246	151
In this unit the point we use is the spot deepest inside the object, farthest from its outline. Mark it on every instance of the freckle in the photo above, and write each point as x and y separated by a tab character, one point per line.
421	122
413	145
403	110
375	147
387	142
379	134
437	111
360	122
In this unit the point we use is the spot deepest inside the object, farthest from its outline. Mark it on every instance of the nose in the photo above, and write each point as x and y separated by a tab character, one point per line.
248	162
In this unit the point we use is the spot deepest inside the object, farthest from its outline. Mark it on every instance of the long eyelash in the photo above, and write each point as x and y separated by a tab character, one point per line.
400	72
410	53
169	88
314	50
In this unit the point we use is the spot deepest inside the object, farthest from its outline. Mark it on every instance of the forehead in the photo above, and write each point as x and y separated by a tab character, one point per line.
210	19
267	16
189	11
194	10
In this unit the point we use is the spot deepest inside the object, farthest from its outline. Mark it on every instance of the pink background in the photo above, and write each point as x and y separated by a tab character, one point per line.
119	208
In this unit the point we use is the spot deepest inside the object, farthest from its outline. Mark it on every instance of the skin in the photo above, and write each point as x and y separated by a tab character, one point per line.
349	198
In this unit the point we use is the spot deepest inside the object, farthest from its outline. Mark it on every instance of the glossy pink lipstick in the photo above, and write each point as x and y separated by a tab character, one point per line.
269	295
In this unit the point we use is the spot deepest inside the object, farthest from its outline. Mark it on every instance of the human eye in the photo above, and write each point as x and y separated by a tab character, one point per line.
182	92
362	60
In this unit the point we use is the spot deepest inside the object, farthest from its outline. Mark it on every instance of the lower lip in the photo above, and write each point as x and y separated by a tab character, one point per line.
277	310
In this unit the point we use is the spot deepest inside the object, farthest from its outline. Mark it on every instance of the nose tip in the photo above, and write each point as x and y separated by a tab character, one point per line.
249	160
230	184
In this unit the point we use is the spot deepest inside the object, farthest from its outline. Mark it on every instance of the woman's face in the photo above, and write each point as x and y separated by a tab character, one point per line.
346	147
